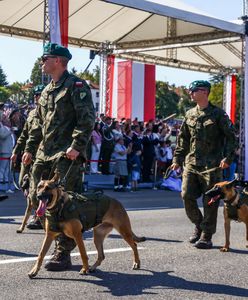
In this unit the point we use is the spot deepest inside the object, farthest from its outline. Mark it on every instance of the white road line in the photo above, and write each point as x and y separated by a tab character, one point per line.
147	208
17	260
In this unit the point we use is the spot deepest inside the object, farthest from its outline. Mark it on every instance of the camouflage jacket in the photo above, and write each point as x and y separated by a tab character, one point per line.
205	138
21	142
66	118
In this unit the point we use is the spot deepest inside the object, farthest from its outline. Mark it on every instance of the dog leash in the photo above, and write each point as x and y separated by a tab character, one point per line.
63	180
210	170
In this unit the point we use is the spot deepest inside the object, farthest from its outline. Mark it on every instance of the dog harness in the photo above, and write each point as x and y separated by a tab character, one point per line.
89	209
232	210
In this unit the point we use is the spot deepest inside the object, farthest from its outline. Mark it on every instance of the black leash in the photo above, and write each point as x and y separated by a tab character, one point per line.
63	180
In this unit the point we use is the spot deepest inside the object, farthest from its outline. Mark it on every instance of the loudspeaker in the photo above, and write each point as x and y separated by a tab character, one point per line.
92	54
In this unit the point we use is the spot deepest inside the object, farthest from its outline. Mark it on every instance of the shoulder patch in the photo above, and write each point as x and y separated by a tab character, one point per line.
79	84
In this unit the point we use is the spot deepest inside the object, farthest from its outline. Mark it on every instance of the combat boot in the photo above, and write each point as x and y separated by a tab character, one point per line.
34	223
60	261
205	241
196	235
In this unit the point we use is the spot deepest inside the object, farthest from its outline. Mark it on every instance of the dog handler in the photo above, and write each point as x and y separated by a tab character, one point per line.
206	145
66	118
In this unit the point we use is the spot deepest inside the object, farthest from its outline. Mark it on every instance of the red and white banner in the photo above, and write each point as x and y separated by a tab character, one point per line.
231	97
133	91
58	17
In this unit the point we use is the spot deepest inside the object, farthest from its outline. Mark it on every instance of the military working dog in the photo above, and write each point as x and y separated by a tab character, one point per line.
25	188
72	214
235	206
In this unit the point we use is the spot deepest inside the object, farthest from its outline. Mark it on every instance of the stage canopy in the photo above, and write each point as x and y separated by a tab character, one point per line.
170	34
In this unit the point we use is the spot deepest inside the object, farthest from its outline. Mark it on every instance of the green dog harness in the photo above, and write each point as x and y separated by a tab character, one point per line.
89	209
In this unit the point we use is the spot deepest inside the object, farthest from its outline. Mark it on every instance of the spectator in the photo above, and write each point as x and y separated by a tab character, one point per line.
107	145
7	142
120	169
96	142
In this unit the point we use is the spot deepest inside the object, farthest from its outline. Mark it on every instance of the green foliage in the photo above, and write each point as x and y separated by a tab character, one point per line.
36	74
87	75
3	77
4	94
216	94
166	100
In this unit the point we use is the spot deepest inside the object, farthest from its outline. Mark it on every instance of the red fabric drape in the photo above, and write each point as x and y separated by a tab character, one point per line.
63	15
233	99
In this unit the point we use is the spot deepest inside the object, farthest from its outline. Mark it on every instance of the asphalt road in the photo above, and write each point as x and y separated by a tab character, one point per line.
171	268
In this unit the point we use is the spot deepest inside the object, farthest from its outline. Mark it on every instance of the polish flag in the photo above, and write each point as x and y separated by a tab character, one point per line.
133	91
58	18
231	97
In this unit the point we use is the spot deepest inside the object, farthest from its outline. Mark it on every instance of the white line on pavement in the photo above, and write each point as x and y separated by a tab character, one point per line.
16	260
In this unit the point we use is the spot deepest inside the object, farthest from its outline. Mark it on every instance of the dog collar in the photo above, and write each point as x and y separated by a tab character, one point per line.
234	200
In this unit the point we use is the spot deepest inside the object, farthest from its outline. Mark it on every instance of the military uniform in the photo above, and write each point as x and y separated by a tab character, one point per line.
21	143
204	136
65	118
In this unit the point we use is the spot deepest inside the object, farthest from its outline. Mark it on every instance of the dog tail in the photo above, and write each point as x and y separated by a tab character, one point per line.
138	239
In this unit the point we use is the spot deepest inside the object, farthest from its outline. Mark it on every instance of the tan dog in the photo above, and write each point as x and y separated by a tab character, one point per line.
235	206
57	203
28	211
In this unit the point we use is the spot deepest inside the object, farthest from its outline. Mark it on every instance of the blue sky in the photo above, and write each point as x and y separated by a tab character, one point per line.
17	56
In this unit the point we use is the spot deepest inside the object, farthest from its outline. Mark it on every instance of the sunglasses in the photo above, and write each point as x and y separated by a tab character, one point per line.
196	90
46	57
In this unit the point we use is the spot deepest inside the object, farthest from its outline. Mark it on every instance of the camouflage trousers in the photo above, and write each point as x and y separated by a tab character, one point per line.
73	183
194	185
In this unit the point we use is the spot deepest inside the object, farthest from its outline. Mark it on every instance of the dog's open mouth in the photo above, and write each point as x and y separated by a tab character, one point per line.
42	207
213	199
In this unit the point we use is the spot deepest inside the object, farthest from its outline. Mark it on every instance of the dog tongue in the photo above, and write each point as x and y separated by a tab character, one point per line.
212	200
41	209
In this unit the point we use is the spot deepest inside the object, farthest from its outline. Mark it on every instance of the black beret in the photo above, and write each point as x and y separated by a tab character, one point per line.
199	84
55	49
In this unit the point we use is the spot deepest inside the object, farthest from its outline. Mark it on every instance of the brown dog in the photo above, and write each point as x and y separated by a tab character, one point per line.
235	206
109	214
28	211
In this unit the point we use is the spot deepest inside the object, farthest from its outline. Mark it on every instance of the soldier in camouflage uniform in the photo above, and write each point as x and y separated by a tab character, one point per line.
65	120
206	145
19	149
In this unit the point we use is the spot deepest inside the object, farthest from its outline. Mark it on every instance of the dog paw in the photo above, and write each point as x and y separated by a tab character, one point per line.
31	274
224	249
136	266
19	230
84	271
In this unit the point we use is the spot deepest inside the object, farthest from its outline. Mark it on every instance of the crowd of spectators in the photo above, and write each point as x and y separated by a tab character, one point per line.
130	149
12	119
126	148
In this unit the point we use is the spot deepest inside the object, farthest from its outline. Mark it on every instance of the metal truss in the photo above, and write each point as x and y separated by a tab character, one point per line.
173	63
171	32
205	56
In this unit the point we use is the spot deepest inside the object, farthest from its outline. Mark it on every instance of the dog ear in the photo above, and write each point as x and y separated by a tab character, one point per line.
45	175
56	176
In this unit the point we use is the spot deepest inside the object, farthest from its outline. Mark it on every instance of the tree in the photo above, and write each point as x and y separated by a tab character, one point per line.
3	77
36	74
166	99
4	94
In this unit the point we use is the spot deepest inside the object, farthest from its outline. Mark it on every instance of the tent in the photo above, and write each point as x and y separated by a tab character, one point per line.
145	31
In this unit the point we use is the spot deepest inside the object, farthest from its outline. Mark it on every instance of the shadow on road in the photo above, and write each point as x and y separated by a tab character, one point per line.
114	283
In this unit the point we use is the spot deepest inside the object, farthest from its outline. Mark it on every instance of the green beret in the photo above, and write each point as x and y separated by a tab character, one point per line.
57	50
199	84
38	89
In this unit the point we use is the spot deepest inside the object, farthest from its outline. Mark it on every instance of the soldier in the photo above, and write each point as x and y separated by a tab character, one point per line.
204	134
65	120
20	146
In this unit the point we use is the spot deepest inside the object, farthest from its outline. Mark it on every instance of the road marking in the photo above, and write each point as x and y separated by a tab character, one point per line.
147	208
17	260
